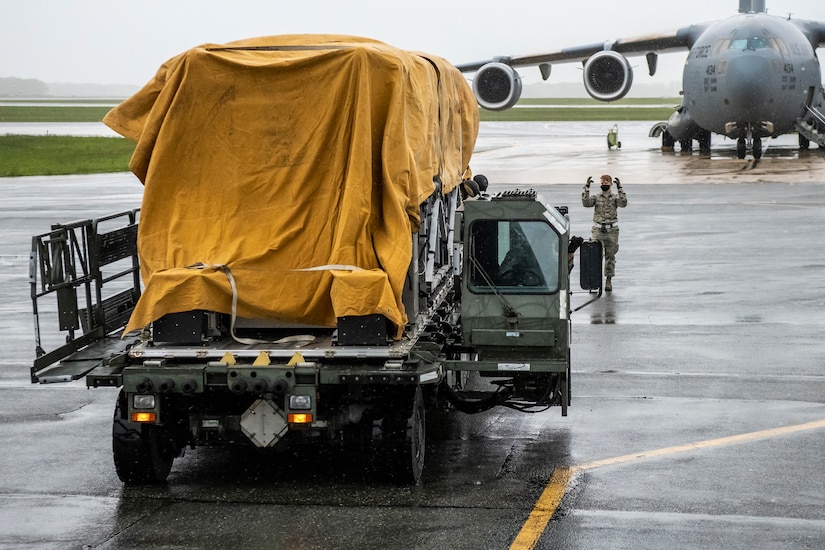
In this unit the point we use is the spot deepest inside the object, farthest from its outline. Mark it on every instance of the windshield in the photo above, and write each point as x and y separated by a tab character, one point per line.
751	42
514	256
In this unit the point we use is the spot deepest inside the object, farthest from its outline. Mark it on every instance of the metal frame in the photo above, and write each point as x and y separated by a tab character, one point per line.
68	261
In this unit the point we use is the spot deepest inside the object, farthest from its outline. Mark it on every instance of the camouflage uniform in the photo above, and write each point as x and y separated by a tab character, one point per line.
606	223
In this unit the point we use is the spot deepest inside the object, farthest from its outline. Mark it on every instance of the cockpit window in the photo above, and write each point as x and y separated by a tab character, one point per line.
721	45
753	43
779	45
517	257
750	43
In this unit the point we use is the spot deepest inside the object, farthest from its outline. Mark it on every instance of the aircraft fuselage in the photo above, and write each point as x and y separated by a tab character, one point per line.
750	75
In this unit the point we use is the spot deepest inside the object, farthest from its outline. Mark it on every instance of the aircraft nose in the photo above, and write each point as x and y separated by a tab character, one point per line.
749	86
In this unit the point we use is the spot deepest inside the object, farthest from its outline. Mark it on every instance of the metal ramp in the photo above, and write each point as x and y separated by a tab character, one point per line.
812	127
92	267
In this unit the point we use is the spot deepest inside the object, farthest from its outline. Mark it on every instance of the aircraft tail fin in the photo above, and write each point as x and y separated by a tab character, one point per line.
752	6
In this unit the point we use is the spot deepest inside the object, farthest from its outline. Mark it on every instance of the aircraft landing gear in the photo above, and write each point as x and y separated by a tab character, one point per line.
741	148
704	142
667	142
754	144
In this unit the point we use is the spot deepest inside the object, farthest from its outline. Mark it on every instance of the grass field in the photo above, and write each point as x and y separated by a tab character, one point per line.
573	114
585	109
56	155
22	155
52	113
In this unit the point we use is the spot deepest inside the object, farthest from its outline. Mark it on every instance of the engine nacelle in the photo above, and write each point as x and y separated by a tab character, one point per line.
497	86
607	76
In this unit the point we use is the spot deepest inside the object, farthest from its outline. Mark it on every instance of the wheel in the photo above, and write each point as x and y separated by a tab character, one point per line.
667	141
404	435
704	142
356	448
757	148
741	148
804	143
142	453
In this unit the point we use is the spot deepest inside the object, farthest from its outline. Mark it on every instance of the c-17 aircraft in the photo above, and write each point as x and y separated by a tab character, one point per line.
747	77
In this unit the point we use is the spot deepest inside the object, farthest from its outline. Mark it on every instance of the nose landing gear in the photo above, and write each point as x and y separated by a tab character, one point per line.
749	143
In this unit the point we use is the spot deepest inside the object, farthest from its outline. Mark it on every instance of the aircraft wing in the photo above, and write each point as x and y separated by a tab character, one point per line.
607	72
813	31
681	39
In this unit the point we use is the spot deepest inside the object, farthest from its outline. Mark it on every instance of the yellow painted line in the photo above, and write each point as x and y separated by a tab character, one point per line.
556	488
544	509
721	442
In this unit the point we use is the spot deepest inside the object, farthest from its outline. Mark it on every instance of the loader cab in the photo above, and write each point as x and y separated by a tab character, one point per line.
515	284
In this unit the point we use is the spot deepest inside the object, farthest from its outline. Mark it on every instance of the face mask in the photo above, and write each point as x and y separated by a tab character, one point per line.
605	187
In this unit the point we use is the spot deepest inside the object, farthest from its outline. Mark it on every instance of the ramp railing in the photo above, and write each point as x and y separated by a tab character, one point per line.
91	269
818	115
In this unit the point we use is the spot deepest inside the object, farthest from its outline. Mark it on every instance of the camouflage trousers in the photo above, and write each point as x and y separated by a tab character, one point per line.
610	245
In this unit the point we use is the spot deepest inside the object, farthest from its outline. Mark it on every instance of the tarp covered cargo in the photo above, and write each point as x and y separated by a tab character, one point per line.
298	162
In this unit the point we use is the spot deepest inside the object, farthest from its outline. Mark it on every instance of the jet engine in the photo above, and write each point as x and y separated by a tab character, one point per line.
497	86
607	76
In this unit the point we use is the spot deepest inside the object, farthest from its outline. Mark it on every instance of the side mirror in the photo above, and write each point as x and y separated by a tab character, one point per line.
590	265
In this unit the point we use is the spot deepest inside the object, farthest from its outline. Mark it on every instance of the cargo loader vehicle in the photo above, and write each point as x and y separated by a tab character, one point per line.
311	264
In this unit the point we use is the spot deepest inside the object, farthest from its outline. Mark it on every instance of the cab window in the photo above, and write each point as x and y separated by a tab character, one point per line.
514	257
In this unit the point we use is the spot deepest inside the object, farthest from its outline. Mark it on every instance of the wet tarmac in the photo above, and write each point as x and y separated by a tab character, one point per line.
94	129
698	414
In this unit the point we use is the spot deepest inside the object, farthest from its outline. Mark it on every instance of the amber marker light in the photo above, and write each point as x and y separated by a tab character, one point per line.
299	418
144	417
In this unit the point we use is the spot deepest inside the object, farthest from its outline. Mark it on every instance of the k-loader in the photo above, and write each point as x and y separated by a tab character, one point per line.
312	263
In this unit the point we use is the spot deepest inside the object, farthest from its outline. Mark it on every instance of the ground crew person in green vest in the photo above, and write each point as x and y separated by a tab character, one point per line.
606	221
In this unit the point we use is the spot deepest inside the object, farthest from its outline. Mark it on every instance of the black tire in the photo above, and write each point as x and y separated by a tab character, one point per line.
667	141
741	148
404	435
757	148
142	453
804	143
704	142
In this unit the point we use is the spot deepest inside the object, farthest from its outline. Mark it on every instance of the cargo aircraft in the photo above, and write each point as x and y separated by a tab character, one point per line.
748	77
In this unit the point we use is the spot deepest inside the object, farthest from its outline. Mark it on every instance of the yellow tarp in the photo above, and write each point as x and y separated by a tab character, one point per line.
299	162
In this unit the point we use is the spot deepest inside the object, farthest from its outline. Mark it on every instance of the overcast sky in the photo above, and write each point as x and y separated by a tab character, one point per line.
125	41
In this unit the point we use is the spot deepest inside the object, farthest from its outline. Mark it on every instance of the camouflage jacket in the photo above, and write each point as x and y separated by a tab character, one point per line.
606	205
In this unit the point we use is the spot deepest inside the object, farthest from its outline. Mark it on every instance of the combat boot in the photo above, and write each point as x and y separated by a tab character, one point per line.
608	284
